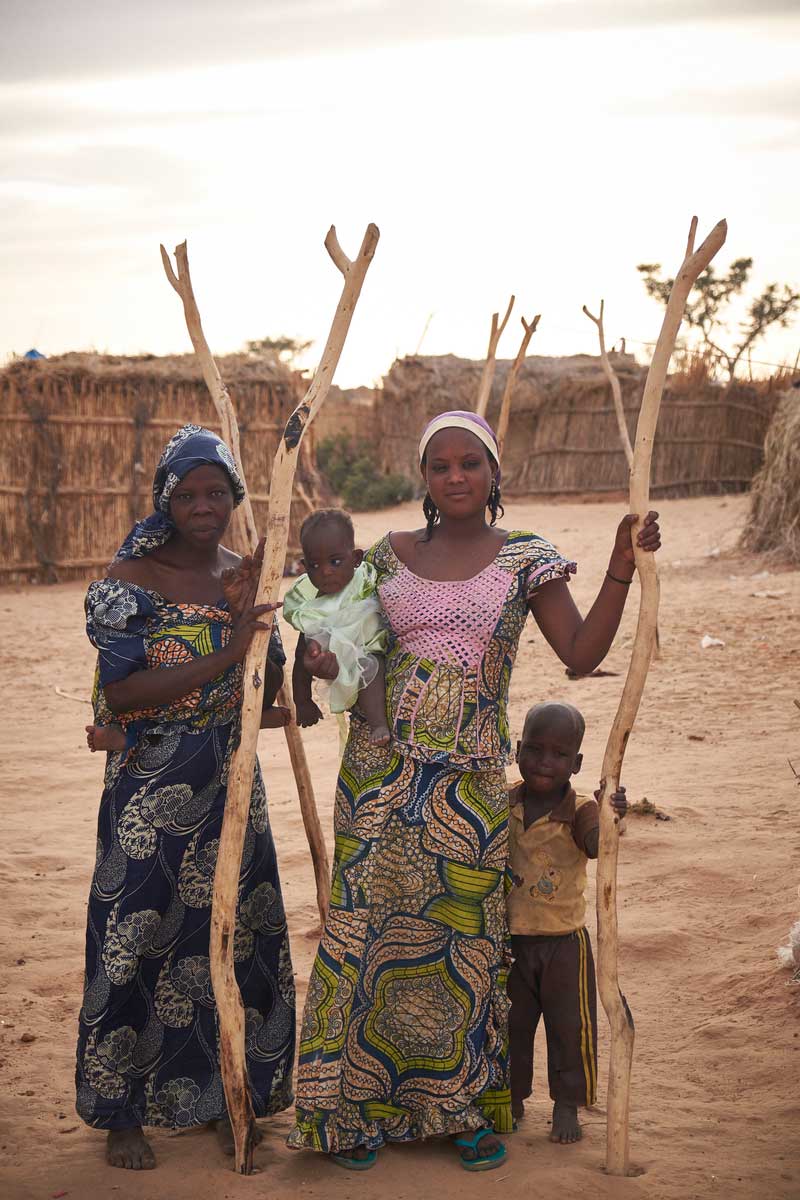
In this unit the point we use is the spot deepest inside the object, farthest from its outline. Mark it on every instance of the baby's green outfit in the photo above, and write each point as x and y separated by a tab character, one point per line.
348	623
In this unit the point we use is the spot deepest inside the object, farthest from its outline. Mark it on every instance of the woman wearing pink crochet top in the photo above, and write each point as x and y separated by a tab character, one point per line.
404	1034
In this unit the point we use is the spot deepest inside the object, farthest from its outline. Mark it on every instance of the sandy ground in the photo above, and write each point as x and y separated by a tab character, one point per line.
706	897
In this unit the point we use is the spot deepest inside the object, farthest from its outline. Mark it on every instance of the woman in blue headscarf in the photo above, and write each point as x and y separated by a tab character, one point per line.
172	621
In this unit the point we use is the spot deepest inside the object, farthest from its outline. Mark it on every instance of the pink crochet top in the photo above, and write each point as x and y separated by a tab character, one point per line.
452	647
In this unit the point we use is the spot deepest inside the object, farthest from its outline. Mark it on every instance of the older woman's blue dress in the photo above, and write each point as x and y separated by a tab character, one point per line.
147	1046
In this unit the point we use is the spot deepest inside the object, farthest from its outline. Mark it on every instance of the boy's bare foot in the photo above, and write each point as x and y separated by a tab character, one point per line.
129	1148
275	717
224	1134
380	736
517	1110
105	737
566	1127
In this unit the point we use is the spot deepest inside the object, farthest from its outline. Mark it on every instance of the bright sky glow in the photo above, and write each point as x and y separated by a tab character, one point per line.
544	149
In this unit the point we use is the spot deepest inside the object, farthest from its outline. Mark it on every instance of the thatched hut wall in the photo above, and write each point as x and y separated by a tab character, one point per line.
773	523
348	412
81	438
563	435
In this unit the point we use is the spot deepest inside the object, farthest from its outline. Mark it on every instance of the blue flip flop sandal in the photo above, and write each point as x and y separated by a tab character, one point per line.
486	1163
355	1164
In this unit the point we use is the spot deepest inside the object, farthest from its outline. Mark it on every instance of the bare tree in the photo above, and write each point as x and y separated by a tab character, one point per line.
706	308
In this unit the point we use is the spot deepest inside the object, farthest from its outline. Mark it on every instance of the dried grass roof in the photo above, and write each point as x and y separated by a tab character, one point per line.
178	368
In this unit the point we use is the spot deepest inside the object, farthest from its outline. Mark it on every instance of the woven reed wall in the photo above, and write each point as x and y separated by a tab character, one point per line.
82	435
563	436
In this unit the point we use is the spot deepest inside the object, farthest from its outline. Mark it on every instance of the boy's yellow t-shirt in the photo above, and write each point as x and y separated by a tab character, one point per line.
548	864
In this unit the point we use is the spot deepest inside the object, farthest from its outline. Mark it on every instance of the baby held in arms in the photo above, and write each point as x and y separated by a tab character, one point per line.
334	607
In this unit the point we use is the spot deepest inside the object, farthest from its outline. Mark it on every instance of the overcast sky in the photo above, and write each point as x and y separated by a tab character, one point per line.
541	148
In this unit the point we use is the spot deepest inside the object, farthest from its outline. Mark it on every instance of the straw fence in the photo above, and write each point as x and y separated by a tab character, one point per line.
563	436
82	435
773	524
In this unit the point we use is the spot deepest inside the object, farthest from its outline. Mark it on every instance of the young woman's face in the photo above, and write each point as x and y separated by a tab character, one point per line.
201	505
458	472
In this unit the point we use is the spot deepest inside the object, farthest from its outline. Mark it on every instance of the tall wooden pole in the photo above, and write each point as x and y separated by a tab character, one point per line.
240	777
528	330
245	538
613	379
487	375
616	1007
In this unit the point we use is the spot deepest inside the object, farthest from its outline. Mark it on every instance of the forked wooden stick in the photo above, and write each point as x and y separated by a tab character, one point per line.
240	776
622	424
182	283
485	388
245	538
505	404
614	1003
613	379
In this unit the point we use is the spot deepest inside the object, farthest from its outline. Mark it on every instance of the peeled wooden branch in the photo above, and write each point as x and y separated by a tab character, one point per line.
613	379
240	775
614	1003
245	538
619	409
505	404
182	283
485	388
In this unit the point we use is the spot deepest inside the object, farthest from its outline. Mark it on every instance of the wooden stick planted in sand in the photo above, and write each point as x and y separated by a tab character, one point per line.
614	1003
245	539
485	387
528	330
240	776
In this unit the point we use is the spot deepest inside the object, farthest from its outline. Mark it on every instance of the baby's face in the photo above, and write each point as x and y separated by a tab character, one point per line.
330	558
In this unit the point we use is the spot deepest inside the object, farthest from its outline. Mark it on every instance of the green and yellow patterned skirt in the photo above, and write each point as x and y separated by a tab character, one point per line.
405	1026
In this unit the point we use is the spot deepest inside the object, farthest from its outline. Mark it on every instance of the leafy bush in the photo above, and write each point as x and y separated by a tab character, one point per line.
351	471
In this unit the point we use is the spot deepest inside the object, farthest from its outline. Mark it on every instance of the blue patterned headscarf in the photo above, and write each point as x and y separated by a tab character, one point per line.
192	446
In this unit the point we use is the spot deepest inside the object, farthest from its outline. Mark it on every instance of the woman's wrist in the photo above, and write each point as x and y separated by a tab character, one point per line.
620	569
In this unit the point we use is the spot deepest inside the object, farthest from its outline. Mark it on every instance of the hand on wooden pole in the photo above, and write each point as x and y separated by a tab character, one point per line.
614	1003
485	387
528	330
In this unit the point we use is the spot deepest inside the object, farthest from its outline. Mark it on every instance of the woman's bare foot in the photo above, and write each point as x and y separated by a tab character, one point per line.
129	1148
105	737
517	1110
566	1127
380	736
225	1136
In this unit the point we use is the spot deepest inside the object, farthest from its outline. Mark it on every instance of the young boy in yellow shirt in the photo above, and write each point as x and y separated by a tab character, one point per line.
553	832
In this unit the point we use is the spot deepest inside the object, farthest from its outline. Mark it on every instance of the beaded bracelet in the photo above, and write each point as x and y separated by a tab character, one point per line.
624	582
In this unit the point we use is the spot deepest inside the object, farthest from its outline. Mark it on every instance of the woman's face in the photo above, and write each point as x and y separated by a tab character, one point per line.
201	505
458	472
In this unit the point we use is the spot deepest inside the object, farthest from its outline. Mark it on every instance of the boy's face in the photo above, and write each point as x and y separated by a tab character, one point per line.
329	557
548	754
